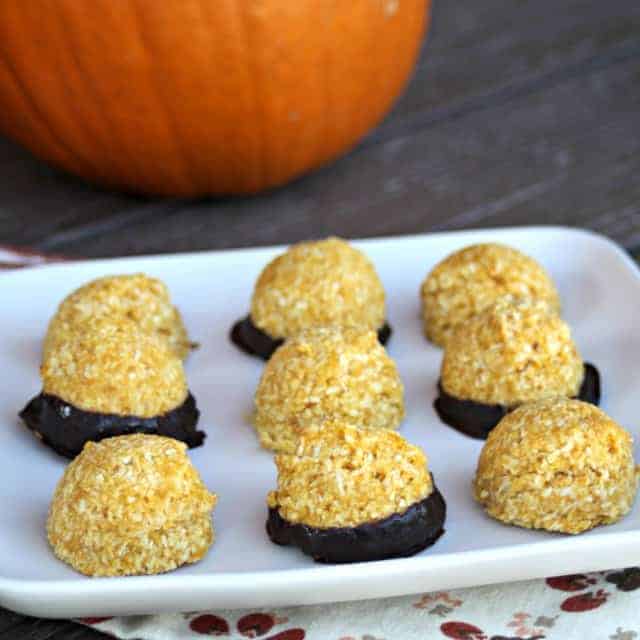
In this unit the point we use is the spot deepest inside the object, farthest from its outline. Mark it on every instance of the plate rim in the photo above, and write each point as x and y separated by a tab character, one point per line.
16	591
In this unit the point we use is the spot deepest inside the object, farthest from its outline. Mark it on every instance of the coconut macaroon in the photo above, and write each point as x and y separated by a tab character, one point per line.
517	351
131	505
351	495
112	380
138	298
558	464
322	283
472	279
327	373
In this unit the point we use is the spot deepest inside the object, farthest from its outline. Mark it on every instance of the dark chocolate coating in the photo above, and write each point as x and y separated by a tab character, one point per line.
476	419
66	429
247	337
590	388
398	536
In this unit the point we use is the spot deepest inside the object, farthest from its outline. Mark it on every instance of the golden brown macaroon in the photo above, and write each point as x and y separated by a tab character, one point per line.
137	298
327	373
131	505
470	280
560	465
350	494
516	351
115	369
111	380
322	283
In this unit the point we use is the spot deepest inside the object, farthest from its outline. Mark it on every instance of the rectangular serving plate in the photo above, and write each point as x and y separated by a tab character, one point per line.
600	289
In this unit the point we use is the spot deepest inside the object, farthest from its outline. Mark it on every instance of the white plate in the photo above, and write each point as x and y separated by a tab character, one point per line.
600	289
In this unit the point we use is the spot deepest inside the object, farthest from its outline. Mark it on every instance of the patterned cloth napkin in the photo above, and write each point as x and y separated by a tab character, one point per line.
604	605
594	605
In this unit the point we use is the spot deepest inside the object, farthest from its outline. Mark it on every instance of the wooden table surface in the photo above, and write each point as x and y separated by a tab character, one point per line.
520	112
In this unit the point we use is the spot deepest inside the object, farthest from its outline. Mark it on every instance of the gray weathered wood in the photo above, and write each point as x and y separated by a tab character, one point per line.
563	154
479	52
477	56
40	629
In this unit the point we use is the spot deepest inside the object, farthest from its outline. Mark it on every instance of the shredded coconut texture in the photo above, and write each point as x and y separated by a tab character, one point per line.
514	352
343	476
327	373
131	505
137	298
472	279
115	368
560	465
328	282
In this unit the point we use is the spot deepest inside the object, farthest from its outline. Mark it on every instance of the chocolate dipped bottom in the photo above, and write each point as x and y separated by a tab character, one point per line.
247	337
398	536
476	419
66	429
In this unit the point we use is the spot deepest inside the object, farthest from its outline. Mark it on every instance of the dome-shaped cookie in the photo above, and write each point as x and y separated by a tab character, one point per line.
131	505
516	351
111	380
560	465
322	283
350	494
115	369
137	298
472	279
327	373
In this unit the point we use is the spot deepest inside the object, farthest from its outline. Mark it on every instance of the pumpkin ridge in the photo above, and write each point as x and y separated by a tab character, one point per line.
240	28
65	158
234	161
328	66
76	159
125	167
378	76
244	22
124	162
188	169
87	82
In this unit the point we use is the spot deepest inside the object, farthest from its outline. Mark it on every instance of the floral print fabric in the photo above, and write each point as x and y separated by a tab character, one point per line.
603	605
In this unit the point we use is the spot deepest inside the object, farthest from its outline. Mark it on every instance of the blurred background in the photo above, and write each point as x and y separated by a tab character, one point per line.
518	112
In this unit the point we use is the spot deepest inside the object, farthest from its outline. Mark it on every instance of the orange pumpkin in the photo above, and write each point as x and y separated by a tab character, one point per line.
195	97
